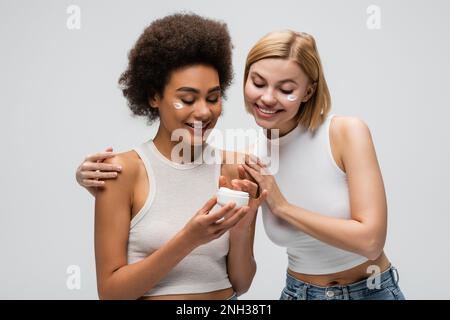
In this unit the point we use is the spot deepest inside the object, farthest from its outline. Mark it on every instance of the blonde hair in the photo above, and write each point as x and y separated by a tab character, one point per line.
301	48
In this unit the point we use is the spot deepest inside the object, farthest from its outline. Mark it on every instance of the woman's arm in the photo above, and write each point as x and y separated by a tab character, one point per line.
115	278
241	263
240	260
365	232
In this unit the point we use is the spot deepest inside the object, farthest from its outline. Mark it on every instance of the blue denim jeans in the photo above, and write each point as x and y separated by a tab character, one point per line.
385	289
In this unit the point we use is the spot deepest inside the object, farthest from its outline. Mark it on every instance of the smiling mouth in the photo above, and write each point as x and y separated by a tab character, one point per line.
197	125
266	111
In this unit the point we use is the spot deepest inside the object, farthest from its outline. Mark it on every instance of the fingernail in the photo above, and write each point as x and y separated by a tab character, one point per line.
119	168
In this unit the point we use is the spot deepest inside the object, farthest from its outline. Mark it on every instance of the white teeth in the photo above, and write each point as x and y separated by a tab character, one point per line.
197	125
266	110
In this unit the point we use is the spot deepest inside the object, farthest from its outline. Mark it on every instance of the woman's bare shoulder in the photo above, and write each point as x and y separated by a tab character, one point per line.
131	167
348	127
346	132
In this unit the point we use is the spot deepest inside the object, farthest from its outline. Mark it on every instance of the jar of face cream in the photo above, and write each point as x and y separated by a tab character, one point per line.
225	195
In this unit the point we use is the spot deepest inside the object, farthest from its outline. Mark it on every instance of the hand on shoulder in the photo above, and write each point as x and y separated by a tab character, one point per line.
130	163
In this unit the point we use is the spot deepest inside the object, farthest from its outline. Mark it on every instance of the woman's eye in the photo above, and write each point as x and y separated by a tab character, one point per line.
213	100
286	91
258	85
188	101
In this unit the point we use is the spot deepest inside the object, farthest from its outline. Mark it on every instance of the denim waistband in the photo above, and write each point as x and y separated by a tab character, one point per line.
383	279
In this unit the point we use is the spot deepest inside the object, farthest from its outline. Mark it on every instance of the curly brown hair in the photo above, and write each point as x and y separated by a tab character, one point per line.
170	43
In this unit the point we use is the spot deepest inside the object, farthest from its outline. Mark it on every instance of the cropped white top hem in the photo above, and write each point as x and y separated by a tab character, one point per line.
190	289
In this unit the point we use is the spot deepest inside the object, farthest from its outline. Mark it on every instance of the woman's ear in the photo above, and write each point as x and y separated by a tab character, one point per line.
154	101
310	91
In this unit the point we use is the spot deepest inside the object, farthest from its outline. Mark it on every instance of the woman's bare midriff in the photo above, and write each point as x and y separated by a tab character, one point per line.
349	276
223	294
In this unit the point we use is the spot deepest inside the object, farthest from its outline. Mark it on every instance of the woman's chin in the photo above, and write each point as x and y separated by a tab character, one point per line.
265	124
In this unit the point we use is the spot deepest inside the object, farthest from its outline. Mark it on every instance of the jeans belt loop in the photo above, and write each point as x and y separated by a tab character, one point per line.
345	290
305	291
395	275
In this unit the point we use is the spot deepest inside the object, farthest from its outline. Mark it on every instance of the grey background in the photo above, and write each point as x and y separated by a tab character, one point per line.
60	101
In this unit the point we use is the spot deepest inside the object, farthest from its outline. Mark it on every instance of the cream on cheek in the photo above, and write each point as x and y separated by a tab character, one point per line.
291	97
290	103
178	105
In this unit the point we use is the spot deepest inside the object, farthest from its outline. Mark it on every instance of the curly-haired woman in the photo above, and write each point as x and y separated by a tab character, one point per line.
156	235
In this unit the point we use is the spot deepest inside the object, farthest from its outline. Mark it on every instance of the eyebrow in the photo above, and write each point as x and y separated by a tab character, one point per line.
193	90
281	81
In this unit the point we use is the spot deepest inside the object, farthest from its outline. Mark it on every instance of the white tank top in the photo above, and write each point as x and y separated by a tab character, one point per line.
177	191
309	178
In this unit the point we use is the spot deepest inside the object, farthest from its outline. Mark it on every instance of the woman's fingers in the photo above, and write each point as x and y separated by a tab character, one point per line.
254	173
208	205
223	182
259	167
252	188
93	169
247	186
92	183
98	175
228	214
243	174
254	160
232	219
262	197
100	156
249	158
237	185
212	217
93	166
254	166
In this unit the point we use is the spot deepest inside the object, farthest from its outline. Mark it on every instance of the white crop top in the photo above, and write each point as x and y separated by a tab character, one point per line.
309	177
177	191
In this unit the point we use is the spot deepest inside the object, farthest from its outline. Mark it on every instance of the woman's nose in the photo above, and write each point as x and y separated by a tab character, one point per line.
202	111
268	98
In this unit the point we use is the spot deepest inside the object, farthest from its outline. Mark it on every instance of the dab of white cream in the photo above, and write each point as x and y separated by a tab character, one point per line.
292	97
178	105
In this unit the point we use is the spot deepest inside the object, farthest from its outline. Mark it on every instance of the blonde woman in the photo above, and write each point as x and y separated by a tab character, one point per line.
326	203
